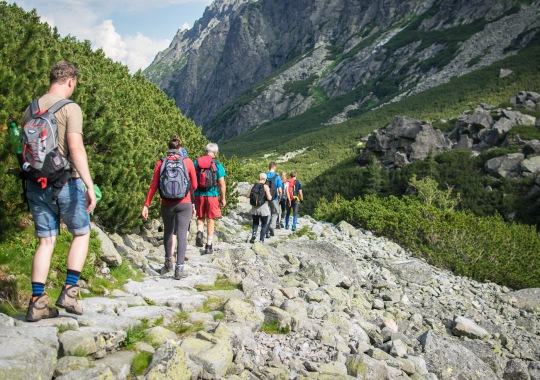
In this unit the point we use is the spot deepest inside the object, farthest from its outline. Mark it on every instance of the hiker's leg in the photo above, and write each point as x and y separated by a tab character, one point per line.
255	227
274	210
264	226
42	259
182	217
78	251
168	216
210	230
72	206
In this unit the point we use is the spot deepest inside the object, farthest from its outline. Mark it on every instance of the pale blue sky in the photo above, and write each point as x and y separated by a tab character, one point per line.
129	31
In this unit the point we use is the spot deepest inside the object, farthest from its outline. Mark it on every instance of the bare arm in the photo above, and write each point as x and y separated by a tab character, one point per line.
222	191
80	162
249	191
301	195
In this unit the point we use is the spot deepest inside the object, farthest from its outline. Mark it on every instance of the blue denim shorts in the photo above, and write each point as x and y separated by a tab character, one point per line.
70	207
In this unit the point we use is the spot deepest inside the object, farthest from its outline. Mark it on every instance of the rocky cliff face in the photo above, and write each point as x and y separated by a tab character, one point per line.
246	62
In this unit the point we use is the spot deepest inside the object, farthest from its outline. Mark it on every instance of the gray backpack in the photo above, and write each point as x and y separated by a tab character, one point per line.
42	161
174	181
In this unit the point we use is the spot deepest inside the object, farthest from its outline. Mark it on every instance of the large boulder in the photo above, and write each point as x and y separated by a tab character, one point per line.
404	140
169	362
507	166
450	360
530	166
109	254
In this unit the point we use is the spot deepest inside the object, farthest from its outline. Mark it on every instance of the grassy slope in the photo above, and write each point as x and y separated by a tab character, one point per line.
332	148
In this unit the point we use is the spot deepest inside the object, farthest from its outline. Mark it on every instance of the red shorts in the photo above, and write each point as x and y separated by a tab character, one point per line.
207	207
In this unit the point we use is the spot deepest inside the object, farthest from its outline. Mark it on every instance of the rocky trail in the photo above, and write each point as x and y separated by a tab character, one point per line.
342	303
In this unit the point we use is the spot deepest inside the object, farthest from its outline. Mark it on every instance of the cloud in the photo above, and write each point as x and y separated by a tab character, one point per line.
90	20
185	26
137	52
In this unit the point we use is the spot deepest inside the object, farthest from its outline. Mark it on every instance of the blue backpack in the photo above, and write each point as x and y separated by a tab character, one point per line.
174	181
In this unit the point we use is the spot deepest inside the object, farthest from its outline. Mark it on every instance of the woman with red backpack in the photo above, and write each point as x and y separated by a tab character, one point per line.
294	198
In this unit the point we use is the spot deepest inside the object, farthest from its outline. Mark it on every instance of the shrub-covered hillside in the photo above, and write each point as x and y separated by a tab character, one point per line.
127	119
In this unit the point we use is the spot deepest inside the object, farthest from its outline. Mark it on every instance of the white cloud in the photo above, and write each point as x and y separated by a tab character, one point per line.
137	52
185	26
83	20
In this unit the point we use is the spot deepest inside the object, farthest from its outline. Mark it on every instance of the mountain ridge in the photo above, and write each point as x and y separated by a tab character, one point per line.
263	61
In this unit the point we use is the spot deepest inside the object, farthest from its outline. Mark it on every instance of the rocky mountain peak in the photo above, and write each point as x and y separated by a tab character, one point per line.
245	63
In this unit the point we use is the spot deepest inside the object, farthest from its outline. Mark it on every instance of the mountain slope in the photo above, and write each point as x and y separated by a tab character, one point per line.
249	62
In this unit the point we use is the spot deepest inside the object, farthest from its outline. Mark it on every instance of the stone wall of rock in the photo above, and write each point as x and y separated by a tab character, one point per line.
350	305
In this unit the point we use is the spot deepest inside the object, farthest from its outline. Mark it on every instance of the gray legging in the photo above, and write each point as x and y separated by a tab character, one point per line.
179	216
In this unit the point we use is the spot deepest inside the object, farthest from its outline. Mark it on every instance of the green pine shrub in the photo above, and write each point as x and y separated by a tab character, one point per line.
127	120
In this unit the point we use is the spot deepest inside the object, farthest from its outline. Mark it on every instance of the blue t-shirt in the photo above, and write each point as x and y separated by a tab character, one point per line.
214	191
279	184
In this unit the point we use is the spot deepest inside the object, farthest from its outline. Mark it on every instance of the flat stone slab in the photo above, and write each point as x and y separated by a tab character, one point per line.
151	313
169	292
104	322
103	305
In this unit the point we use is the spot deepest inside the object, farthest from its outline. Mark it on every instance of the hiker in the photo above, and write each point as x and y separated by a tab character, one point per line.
209	196
280	223
274	184
294	197
50	200
177	207
259	197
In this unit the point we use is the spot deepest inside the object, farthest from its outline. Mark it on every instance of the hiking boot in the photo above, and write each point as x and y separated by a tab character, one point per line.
293	228
179	272
252	240
168	266
39	309
199	239
208	250
68	300
286	226
268	234
271	231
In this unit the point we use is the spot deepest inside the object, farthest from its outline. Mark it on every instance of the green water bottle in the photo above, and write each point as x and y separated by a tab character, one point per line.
15	138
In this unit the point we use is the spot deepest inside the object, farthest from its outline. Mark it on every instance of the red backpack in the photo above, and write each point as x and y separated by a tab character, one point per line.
206	173
291	189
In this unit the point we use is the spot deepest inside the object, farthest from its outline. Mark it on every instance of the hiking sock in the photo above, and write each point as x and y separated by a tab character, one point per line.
37	289
287	222
295	219
200	229
72	277
209	239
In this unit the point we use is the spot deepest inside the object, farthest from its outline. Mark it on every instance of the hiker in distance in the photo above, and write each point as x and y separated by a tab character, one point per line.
174	176
274	184
280	223
51	198
294	198
259	196
209	196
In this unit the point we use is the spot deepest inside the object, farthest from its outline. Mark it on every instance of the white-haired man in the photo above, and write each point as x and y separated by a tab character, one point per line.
209	196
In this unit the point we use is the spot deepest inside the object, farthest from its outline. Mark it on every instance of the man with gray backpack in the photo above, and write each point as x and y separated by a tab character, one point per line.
56	168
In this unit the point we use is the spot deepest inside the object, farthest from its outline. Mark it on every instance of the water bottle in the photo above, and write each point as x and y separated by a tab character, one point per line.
15	138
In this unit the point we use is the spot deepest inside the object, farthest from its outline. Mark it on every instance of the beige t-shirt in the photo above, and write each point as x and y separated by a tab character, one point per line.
69	120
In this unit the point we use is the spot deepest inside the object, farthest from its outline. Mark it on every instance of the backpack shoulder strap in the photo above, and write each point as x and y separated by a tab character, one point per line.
59	104
34	107
163	162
